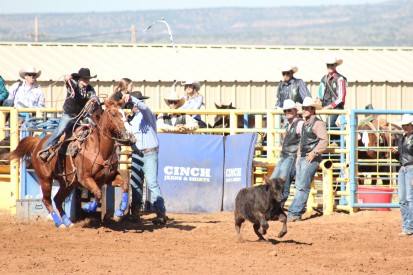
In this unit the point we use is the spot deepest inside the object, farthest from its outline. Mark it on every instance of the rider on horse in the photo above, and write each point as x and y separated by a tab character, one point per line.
79	92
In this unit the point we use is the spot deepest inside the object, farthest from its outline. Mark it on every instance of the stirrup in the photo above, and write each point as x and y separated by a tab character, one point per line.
51	152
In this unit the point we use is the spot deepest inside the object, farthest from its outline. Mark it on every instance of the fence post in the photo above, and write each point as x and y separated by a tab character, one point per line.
14	164
328	198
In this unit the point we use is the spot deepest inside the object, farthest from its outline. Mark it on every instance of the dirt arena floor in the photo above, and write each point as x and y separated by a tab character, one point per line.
364	243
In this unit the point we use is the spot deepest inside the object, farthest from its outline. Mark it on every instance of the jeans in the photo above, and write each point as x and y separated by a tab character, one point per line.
146	165
332	125
65	126
305	174
285	169
405	193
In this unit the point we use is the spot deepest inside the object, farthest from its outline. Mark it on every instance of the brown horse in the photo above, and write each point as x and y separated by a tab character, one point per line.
95	164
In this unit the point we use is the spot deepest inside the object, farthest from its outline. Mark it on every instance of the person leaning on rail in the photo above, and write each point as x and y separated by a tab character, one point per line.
405	177
177	123
193	99
79	92
286	166
313	143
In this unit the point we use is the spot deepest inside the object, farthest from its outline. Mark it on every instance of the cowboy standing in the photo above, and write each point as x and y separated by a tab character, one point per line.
145	161
286	166
175	122
291	87
79	92
27	94
313	143
332	91
405	177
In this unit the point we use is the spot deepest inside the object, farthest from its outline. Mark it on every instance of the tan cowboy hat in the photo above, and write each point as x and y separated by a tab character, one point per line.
174	96
333	60
192	82
406	119
290	104
30	70
288	67
309	102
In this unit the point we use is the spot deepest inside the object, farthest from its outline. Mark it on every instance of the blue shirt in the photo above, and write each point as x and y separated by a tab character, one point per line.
192	104
144	127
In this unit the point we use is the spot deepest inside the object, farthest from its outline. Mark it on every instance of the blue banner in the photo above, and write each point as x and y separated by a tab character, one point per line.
239	152
190	172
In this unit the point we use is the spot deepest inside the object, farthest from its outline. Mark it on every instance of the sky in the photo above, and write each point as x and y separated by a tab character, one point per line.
72	6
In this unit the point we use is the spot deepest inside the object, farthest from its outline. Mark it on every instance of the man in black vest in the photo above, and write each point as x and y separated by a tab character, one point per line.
174	122
79	91
313	143
286	166
332	92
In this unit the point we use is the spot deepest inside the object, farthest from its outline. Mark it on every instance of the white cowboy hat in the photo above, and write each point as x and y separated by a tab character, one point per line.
309	102
174	96
29	70
192	82
288	67
406	119
290	104
333	60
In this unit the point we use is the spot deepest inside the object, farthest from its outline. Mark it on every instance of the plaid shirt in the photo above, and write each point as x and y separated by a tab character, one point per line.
31	97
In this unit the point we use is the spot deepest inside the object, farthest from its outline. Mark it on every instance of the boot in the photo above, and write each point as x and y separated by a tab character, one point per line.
135	212
160	219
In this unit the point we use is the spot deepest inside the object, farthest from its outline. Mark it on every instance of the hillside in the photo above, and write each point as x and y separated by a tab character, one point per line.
385	24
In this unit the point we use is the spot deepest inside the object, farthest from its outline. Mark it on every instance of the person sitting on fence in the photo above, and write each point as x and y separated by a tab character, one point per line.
175	122
313	143
79	92
332	92
27	93
405	177
193	100
286	166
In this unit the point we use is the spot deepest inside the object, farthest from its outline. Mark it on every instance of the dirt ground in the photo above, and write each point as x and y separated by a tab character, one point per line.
366	242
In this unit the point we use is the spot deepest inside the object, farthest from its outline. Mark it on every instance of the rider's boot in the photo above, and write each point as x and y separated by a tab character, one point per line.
46	154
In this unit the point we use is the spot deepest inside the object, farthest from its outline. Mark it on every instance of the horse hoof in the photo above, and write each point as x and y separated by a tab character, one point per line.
49	217
62	226
116	218
71	225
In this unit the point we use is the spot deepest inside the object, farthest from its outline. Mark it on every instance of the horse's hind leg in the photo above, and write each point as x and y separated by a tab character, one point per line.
59	199
46	185
118	181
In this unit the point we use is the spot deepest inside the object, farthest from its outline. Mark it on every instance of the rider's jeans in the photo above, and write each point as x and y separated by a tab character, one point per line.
65	125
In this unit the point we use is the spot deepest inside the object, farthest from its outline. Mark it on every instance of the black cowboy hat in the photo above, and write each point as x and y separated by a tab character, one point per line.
83	73
138	95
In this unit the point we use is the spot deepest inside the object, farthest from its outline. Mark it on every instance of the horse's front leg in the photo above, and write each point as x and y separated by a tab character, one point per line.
118	181
91	185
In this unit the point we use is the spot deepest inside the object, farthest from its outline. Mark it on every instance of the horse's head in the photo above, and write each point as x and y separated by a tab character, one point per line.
222	121
112	121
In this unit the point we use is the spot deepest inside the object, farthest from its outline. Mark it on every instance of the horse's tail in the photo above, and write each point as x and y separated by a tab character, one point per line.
25	148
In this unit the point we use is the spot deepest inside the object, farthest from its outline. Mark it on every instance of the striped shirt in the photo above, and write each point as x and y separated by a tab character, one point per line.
144	127
30	97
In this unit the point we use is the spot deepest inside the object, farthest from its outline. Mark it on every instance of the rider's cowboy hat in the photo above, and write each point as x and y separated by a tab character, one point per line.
138	95
290	104
288	68
330	59
406	119
309	102
174	96
29	70
194	83
83	73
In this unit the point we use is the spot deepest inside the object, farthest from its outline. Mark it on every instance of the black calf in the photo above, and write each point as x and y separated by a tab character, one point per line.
260	204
